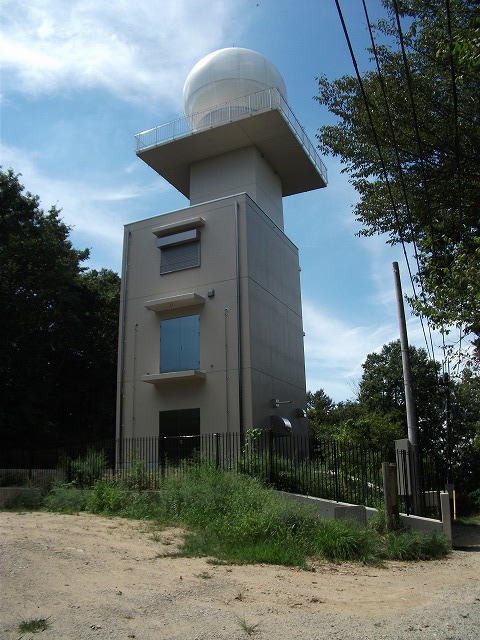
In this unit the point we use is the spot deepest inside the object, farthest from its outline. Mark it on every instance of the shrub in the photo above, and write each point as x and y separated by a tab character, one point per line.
136	476
378	522
411	545
474	500
66	498
28	498
232	517
84	471
107	498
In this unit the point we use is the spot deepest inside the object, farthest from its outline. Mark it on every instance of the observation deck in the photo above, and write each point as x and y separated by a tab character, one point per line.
262	119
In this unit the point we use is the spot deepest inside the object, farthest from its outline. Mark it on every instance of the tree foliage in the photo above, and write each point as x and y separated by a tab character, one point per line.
382	390
463	436
421	183
448	414
378	415
58	327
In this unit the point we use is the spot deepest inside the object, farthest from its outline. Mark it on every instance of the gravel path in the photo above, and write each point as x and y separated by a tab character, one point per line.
96	578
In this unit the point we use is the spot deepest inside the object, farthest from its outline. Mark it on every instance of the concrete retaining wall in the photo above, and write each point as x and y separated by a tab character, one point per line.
336	510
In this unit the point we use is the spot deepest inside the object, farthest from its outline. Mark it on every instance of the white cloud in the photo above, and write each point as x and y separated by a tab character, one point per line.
137	52
96	212
335	350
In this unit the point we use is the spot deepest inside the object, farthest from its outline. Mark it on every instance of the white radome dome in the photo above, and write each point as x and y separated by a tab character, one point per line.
226	75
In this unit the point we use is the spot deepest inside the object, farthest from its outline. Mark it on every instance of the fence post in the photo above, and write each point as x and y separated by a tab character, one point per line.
270	447
335	470
390	494
31	462
217	450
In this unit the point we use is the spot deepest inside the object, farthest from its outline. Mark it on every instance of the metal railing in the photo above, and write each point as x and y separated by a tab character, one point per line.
229	112
430	474
323	468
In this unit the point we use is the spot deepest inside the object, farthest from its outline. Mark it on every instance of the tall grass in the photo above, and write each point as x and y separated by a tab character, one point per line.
234	518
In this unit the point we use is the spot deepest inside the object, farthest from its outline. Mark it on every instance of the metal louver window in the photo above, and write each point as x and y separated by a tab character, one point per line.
184	256
179	251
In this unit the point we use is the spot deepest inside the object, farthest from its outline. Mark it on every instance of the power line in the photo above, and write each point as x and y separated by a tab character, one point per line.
415	122
419	141
378	146
401	175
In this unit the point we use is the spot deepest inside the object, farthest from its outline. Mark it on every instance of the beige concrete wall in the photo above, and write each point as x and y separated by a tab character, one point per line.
326	509
241	171
143	401
271	337
276	351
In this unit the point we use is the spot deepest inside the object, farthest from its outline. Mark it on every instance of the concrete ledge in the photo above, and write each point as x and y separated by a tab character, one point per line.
327	509
174	376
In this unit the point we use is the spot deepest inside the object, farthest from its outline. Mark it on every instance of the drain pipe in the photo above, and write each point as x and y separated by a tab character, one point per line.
239	328
227	378
122	345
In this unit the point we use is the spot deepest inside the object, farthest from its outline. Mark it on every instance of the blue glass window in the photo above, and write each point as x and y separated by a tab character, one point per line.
180	344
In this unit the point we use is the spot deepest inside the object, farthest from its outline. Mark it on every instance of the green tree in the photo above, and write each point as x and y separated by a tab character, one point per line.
424	186
448	416
320	408
351	422
463	438
378	415
382	391
58	326
89	394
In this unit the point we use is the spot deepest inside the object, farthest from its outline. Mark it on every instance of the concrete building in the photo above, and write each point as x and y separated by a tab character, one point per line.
211	335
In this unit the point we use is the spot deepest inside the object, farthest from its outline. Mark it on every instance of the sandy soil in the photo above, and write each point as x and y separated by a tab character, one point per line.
95	577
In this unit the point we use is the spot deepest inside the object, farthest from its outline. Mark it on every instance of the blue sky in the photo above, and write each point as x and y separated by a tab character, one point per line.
81	77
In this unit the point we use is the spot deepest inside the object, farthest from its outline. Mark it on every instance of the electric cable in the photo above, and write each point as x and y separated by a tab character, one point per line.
377	143
417	129
375	135
402	181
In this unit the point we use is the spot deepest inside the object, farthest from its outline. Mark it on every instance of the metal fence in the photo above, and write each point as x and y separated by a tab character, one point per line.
431	475
309	466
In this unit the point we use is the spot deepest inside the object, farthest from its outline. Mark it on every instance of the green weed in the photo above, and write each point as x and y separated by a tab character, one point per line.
234	518
248	627
66	499
34	626
29	498
411	545
84	471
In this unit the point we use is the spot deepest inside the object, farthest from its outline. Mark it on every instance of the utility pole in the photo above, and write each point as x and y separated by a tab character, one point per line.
412	422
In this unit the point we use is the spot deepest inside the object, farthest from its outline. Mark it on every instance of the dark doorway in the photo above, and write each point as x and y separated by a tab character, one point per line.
179	432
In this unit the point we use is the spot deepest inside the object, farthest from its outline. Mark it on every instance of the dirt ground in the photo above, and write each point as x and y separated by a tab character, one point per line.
96	577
